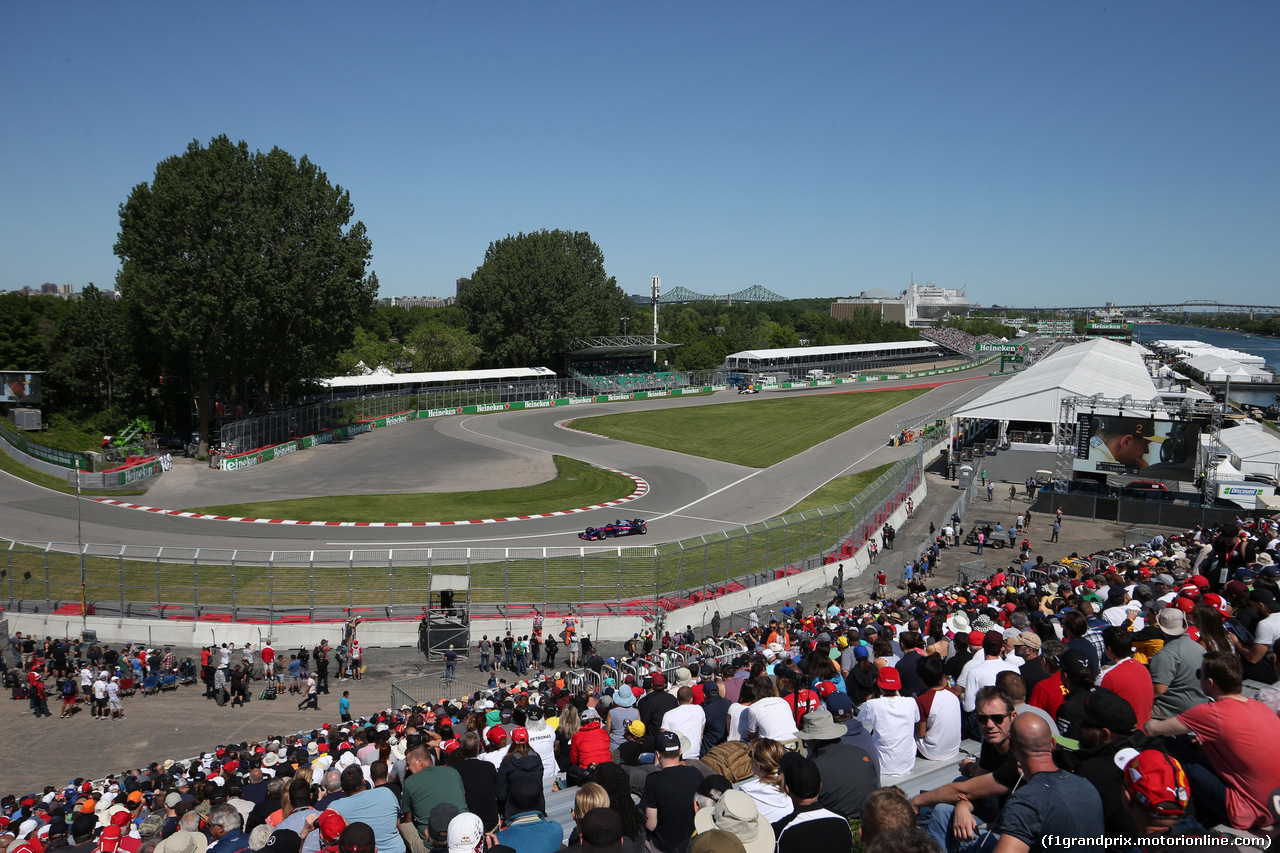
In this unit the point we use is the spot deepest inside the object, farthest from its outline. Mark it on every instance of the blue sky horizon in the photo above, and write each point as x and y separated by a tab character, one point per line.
1031	153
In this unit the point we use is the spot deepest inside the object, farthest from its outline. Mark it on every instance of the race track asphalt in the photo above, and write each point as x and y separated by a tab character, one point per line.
688	495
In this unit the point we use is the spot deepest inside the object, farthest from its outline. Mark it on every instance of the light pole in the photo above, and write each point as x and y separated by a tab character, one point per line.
656	291
84	604
624	320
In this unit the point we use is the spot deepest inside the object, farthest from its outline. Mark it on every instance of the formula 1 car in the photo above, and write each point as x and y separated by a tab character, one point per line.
628	527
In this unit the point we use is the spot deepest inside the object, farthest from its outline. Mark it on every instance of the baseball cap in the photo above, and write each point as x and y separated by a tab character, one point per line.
284	841
466	833
1155	781
1265	597
659	681
1074	663
801	775
636	728
331	824
600	828
519	735
889	679
442	814
358	837
669	743
1141	429
976	637
716	841
1105	709
1027	639
497	735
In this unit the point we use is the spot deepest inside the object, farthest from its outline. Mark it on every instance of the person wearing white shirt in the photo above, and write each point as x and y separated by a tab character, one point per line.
938	731
770	715
891	718
983	673
687	719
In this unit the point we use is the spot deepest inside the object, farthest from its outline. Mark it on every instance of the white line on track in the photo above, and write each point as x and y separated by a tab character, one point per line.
679	510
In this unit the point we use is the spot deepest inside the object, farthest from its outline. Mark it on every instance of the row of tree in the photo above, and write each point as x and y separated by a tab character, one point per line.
244	277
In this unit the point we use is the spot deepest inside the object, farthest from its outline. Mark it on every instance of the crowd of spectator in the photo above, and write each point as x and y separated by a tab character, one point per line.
1102	699
956	340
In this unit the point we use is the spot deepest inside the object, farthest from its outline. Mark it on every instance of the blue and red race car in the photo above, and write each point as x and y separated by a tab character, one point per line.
626	527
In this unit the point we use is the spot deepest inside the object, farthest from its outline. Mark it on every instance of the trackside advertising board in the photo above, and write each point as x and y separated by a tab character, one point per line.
65	458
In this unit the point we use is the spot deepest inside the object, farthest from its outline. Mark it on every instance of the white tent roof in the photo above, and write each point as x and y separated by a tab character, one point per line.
1257	449
1217	368
1098	366
383	377
834	351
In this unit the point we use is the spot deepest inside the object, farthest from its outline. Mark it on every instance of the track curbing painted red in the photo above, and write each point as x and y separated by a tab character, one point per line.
642	489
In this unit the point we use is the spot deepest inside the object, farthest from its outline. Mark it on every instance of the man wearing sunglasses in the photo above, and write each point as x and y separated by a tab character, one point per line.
960	807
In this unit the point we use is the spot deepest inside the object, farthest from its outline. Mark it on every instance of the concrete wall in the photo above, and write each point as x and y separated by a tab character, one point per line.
395	634
38	464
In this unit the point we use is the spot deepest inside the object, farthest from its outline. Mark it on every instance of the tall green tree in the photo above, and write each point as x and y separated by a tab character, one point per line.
94	357
536	292
246	268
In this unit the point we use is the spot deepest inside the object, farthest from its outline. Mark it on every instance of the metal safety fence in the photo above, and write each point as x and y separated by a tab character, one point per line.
390	584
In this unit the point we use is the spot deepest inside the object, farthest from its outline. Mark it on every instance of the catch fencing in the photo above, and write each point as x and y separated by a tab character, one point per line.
391	584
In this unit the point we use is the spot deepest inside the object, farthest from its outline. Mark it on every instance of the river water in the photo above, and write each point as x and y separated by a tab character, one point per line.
1268	348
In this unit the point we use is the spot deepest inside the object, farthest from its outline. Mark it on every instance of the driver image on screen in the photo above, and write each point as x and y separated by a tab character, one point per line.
1126	441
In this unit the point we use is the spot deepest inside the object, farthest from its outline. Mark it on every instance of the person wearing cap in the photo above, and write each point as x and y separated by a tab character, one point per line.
811	826
656	702
1078	682
600	829
1234	777
1125	441
736	813
1266	633
849	772
1154	794
891	718
520	762
716	708
1026	648
1174	667
1049	801
668	798
424	790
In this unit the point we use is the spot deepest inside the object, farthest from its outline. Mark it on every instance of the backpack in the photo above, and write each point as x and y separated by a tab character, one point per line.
731	759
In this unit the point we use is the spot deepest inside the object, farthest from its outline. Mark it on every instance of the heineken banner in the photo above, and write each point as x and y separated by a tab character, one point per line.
65	458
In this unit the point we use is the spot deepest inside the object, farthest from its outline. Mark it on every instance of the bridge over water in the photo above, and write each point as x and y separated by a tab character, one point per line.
1191	306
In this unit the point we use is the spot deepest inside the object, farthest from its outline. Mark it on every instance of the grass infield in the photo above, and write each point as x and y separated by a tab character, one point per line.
576	484
756	434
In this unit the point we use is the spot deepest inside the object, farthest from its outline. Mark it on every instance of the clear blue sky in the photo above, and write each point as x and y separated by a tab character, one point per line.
1054	153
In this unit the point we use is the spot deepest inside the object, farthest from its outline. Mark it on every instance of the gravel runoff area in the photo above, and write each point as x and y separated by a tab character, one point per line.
181	723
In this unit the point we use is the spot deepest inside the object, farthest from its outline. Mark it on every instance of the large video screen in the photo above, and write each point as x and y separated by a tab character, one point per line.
19	388
1143	447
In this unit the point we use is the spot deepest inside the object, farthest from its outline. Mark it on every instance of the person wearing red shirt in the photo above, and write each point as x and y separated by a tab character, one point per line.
1236	782
1050	693
1127	678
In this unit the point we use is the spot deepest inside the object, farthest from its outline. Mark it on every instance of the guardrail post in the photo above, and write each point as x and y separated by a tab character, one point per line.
311	584
195	579
391	582
271	591
351	583
48	594
159	593
233	580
